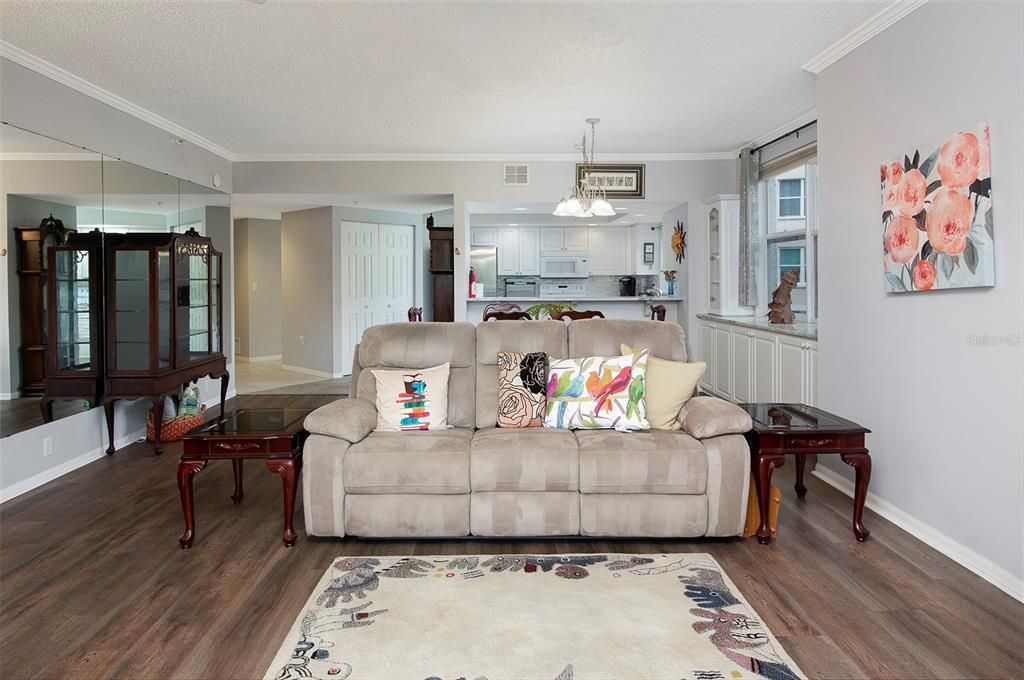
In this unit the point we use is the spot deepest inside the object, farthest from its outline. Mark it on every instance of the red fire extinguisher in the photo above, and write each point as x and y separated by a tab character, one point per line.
472	280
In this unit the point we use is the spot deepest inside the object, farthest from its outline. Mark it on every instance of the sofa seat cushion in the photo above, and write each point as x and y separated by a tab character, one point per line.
427	462
524	459
655	462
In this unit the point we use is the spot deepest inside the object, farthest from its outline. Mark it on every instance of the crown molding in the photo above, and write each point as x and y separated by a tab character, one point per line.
505	158
860	35
64	77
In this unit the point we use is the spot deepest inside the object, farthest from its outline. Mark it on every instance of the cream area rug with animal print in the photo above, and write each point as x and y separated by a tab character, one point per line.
526	617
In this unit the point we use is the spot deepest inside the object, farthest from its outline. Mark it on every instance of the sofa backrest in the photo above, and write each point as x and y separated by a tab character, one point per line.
510	336
423	345
603	337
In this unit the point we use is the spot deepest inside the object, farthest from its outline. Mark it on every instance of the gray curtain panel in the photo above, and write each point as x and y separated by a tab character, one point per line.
750	235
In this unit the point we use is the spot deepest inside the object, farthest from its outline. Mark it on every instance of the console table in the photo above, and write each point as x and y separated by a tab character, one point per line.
274	436
800	430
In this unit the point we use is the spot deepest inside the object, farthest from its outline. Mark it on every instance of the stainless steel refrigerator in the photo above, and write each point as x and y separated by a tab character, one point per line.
484	261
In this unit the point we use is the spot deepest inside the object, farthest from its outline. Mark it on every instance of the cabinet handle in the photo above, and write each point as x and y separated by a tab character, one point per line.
714	299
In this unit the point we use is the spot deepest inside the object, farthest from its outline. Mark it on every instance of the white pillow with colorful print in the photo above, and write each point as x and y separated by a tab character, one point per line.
596	393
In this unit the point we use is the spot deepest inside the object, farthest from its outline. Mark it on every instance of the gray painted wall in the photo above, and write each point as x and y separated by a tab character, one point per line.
945	411
307	250
258	313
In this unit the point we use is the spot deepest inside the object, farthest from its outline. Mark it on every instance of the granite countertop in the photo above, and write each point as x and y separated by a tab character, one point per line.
582	298
799	329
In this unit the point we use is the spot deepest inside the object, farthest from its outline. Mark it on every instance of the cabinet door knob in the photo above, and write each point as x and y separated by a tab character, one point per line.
714	299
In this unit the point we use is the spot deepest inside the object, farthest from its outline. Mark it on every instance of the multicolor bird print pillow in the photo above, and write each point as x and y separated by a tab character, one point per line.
597	393
522	388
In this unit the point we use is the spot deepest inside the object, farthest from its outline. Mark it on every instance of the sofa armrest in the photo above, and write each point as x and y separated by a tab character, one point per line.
349	419
705	417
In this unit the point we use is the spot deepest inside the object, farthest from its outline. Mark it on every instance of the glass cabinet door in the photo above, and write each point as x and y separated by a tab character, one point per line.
193	303
131	297
164	308
74	321
215	306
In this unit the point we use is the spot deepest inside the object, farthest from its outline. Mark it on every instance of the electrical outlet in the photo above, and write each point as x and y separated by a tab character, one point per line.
254	287
302	340
47	446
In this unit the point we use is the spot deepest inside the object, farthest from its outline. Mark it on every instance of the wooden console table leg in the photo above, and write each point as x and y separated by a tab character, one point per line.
801	462
187	469
238	494
290	477
764	464
861	462
108	410
158	421
225	378
46	406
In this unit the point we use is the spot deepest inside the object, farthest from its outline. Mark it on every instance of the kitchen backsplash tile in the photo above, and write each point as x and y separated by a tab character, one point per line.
597	286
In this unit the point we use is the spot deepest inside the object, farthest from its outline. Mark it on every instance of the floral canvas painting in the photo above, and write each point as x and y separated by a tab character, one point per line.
937	216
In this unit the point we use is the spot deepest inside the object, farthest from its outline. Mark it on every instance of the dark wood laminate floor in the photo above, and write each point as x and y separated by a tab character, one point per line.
18	415
93	584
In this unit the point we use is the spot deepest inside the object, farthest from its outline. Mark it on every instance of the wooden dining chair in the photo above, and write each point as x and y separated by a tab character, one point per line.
415	314
507	316
657	312
573	314
502	307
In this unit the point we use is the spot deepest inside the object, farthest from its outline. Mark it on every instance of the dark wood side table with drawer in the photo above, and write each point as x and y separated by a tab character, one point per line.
800	430
272	435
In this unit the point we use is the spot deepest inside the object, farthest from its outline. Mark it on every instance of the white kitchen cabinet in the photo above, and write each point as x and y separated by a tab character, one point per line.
747	365
791	386
742	361
483	236
707	355
563	238
609	250
762	366
518	251
723	346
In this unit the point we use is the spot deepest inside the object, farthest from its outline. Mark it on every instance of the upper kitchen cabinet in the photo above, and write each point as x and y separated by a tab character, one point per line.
610	251
519	251
483	236
563	238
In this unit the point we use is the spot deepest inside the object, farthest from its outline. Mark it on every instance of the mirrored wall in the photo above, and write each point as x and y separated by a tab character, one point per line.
51	188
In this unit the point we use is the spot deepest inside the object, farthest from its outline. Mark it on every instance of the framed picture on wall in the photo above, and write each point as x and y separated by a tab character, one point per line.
648	253
617	180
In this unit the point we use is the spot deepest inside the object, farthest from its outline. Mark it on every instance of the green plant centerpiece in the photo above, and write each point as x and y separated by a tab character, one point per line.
548	310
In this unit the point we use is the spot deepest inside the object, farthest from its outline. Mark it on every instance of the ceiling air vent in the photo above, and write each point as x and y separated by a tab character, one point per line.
516	174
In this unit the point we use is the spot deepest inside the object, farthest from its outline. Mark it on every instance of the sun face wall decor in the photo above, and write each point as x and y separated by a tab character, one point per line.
937	227
679	241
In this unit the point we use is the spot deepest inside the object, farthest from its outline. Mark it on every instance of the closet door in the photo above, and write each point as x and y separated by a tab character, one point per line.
359	285
396	272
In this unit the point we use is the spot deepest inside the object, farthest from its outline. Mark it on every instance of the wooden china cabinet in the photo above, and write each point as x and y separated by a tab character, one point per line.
74	300
164	319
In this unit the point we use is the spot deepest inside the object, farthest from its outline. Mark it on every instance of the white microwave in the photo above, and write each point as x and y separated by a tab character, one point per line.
563	266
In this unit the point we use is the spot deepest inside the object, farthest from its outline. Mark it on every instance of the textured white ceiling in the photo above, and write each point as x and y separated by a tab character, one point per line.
446	77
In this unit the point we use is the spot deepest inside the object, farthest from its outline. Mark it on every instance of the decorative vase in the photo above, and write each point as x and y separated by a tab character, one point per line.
672	287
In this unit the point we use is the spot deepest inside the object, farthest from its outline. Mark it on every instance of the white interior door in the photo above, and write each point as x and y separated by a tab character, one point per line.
396	268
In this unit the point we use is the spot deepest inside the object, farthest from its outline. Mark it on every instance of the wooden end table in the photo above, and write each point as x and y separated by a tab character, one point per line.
272	435
800	430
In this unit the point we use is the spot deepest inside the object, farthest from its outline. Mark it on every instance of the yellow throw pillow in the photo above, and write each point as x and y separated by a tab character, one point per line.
668	385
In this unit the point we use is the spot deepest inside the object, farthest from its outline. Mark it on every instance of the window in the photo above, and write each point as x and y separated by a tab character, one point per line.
790	259
791	199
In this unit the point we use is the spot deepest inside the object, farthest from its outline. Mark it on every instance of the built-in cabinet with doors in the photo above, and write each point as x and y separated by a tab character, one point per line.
518	251
377	279
609	250
721	222
750	365
553	239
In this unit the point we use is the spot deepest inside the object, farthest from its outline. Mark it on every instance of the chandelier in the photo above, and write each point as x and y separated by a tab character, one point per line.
586	200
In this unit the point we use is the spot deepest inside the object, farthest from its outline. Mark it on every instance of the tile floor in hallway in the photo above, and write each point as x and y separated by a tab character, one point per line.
267	375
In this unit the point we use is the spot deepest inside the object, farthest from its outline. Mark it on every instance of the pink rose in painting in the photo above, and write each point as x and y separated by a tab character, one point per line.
894	172
958	160
924	275
949	221
984	167
910	193
882	171
889	197
901	239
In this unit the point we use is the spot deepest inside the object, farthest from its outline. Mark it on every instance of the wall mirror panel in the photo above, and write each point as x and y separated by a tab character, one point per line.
65	202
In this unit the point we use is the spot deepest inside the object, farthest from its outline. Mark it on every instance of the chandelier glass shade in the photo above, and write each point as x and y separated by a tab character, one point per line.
586	200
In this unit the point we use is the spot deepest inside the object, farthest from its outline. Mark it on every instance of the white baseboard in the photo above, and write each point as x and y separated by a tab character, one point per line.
242	359
309	371
37	480
982	566
8	396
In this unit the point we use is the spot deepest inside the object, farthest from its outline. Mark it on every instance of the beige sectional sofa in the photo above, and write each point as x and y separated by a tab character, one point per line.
476	479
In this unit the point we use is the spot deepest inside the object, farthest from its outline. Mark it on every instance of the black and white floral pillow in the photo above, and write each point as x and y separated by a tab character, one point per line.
522	388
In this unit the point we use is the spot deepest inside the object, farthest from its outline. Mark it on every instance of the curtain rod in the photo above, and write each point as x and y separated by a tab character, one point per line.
791	132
